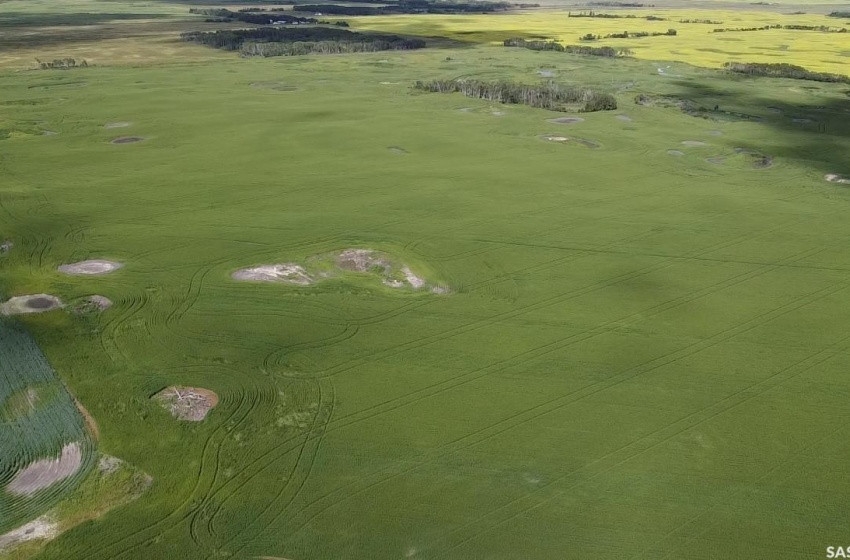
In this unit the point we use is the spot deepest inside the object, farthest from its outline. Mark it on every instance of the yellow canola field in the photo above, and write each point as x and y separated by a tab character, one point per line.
695	43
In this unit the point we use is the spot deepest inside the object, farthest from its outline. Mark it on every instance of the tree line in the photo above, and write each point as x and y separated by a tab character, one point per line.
61	64
327	47
549	96
782	70
839	14
410	7
249	15
709	21
792	27
609	52
629	35
592	14
261	41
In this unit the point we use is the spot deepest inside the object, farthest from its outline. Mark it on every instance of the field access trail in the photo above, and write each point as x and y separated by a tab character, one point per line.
638	348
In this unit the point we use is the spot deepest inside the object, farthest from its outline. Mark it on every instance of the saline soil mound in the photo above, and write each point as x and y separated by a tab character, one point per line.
284	272
38	303
92	267
187	403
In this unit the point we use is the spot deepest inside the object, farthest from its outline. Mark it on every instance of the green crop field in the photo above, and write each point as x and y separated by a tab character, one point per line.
38	418
631	339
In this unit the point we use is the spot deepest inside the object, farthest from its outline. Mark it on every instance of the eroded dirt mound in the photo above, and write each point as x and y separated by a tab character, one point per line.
284	272
835	178
92	267
566	120
92	304
38	303
127	139
363	260
187	403
43	528
46	472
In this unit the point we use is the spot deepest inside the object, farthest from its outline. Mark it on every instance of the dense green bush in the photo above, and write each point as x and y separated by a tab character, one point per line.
547	96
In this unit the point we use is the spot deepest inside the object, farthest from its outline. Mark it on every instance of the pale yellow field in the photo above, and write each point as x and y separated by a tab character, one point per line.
694	44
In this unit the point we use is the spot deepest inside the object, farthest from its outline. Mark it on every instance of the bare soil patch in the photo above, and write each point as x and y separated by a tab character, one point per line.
571	140
363	260
836	178
284	272
94	267
116	125
716	160
715	133
187	403
566	120
676	153
127	139
546	73
93	304
397	150
415	281
693	143
624	118
46	472
43	528
6	246
49	133
38	303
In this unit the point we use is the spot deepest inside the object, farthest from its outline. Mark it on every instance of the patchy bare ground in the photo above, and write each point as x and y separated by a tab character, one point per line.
187	403
92	267
363	260
693	143
835	178
37	303
624	118
6	246
43	528
415	281
285	272
572	140
93	304
676	153
116	125
46	472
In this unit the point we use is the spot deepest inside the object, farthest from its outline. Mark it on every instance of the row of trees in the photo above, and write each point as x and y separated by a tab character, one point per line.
249	16
592	14
792	27
327	47
781	70
549	96
410	7
608	52
261	41
61	64
709	21
629	35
